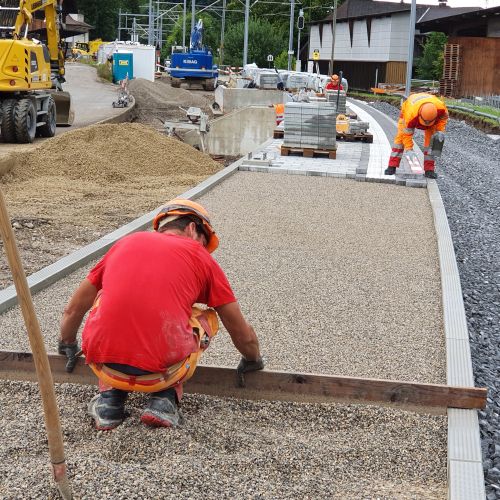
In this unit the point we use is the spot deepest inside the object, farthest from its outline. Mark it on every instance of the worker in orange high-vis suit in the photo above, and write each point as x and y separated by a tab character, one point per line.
425	112
142	333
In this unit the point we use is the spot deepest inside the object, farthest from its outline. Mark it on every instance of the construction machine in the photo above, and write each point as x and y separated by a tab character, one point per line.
195	66
31	72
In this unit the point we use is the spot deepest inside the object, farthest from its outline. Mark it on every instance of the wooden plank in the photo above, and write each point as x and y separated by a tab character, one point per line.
274	385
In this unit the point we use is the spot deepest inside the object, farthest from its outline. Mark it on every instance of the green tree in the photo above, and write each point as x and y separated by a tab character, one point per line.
211	33
281	60
263	40
430	65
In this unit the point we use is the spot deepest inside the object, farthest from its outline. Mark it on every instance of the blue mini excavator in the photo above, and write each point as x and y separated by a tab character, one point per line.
195	66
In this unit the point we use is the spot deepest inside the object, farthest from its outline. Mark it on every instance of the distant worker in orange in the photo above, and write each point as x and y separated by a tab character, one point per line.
425	112
334	83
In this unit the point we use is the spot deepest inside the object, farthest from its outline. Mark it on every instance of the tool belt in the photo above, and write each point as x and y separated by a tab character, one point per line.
205	326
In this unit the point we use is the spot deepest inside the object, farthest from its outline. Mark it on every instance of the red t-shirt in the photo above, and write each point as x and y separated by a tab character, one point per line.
331	86
147	284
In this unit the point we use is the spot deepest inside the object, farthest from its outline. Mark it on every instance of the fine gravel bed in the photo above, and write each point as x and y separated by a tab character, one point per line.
344	293
469	180
327	273
226	449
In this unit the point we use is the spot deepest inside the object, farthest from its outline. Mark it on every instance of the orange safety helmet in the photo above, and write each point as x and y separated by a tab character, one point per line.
427	114
180	207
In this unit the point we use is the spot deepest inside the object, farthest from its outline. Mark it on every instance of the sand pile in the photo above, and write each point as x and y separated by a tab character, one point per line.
81	185
112	153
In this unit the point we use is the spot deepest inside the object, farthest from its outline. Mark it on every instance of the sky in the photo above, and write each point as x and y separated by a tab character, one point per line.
457	3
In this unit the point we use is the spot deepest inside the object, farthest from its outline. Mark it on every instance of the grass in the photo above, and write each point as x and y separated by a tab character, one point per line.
104	72
483	109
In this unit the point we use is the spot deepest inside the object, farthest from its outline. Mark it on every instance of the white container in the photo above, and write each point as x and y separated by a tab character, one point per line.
144	57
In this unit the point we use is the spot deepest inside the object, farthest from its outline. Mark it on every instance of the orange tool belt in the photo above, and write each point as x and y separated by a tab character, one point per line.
205	326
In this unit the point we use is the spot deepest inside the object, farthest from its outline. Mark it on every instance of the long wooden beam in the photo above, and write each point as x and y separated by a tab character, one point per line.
273	385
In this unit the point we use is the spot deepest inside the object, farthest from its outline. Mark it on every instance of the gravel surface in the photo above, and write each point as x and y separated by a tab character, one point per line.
469	180
227	449
326	271
77	187
307	321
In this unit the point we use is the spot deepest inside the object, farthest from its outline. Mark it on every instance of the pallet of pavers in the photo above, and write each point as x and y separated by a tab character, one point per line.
310	129
356	136
308	152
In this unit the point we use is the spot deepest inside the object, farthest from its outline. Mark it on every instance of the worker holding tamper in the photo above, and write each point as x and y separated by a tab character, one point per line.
425	112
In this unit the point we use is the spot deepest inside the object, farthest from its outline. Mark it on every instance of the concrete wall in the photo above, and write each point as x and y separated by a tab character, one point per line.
237	133
231	99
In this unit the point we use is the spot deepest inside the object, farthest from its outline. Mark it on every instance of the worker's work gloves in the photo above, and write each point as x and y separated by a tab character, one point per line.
71	351
439	136
246	366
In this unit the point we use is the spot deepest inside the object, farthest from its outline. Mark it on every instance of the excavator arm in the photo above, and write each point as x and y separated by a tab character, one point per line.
52	10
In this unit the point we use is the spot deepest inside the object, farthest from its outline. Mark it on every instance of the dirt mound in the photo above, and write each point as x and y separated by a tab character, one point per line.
112	153
158	101
79	186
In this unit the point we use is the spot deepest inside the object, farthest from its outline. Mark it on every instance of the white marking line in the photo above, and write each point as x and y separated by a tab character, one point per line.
380	149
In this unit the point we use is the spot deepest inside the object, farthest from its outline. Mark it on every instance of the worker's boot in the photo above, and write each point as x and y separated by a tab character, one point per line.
430	174
108	409
390	171
162	410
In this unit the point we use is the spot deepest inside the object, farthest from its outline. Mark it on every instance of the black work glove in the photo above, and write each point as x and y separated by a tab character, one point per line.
71	351
245	366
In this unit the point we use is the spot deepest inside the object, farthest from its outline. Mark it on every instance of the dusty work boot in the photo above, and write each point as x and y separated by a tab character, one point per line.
390	171
108	409
430	174
162	410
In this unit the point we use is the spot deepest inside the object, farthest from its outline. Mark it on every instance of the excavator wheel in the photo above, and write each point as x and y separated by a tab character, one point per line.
8	123
48	129
25	121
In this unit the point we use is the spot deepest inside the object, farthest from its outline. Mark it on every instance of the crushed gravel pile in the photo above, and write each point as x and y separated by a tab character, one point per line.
76	187
226	449
158	101
469	180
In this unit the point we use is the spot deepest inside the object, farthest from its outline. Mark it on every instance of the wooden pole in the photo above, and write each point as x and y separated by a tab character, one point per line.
44	375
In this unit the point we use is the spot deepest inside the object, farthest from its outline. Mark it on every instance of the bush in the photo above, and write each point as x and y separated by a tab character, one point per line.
104	72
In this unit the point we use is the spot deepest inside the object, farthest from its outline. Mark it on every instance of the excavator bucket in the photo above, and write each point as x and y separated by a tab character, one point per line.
64	110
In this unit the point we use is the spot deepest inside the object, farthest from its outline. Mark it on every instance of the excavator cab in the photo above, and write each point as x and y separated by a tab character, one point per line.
31	73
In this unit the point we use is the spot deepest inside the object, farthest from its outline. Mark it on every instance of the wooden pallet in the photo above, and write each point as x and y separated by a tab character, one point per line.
278	133
363	137
309	152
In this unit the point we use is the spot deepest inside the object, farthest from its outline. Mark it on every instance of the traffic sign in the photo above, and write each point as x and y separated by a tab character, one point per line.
270	58
315	55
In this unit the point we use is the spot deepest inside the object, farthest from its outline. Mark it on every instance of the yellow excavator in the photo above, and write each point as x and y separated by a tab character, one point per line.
31	72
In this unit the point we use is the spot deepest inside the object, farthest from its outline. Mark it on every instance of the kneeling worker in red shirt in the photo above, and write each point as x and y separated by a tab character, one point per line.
334	83
142	332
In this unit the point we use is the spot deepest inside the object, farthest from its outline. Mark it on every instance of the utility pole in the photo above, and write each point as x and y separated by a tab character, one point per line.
245	36
119	24
290	38
150	23
193	9
223	26
184	27
411	41
334	27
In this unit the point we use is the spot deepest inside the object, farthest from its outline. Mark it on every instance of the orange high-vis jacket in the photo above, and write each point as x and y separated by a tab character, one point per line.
409	117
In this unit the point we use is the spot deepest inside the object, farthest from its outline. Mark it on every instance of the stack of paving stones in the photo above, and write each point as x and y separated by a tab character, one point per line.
331	96
297	81
310	125
358	127
468	181
267	80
